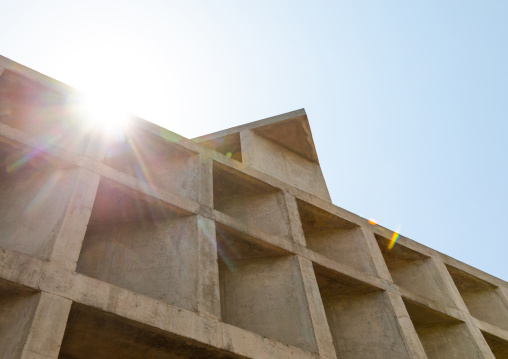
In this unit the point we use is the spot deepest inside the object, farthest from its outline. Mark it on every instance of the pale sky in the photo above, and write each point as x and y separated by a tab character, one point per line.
407	100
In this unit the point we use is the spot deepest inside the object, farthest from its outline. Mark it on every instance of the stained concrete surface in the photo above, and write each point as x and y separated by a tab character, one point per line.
498	346
250	200
270	157
482	299
142	244
146	263
442	336
415	272
34	195
335	238
17	307
156	161
91	333
360	320
266	295
36	109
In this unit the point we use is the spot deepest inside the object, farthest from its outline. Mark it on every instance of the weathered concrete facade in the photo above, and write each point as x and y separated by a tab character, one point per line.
224	246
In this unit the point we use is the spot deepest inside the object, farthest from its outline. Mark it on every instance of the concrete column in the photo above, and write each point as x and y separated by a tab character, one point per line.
47	328
205	188
317	312
208	270
376	255
450	285
1	70
413	345
68	242
480	342
247	147
294	219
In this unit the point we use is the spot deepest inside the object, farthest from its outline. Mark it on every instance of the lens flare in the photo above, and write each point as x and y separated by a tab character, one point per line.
104	114
372	221
395	236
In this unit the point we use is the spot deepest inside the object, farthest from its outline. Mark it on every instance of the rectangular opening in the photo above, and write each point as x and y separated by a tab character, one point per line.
228	145
414	272
441	335
17	309
36	109
250	200
335	238
482	298
360	318
142	244
92	333
34	190
156	161
262	290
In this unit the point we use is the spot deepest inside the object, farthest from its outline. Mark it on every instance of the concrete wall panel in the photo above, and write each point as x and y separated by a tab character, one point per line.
266	296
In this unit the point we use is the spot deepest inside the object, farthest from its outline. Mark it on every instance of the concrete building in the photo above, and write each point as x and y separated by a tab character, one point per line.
224	246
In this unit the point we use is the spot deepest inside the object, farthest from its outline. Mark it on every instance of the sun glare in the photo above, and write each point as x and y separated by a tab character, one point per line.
104	115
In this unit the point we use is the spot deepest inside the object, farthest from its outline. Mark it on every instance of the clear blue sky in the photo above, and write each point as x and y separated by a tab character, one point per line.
407	100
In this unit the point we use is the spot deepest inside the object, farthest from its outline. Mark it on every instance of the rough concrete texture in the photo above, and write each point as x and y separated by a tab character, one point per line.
335	238
116	337
28	198
225	246
498	345
262	290
250	200
156	161
415	272
141	246
17	307
361	322
291	167
442	336
34	108
483	300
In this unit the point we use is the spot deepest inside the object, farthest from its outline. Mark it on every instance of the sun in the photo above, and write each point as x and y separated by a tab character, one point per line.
103	114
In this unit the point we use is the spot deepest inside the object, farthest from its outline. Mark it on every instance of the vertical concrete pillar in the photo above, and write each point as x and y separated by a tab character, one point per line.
208	270
247	147
294	219
317	312
205	188
413	345
502	292
479	342
377	256
47	328
68	242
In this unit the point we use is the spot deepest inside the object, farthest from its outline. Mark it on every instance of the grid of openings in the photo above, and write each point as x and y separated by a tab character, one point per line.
187	261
